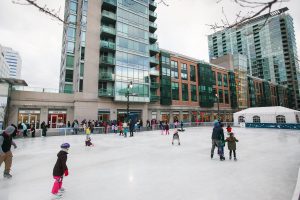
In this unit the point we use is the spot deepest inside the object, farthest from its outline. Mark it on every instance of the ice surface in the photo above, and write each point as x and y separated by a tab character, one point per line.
148	167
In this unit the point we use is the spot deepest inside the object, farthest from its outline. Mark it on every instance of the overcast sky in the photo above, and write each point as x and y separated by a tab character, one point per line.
181	28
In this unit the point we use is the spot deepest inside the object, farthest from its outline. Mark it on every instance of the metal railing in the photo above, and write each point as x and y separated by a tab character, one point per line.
106	92
107	60
106	76
109	14
108	45
108	29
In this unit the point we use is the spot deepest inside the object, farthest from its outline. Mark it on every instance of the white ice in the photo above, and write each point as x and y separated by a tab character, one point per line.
148	167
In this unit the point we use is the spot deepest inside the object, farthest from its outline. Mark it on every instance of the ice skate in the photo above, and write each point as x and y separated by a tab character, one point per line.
61	190
179	143
235	159
56	196
211	156
7	175
172	143
229	157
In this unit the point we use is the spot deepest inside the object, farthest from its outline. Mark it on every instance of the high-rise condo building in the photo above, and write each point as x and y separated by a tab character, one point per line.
269	45
14	62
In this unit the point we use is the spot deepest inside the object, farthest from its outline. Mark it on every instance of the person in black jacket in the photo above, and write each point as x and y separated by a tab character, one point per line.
60	169
5	152
217	139
131	127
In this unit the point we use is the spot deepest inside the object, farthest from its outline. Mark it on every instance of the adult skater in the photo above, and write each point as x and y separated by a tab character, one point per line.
131	127
217	137
5	153
60	169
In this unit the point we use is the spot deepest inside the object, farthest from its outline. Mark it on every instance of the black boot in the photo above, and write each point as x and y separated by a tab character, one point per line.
7	175
211	156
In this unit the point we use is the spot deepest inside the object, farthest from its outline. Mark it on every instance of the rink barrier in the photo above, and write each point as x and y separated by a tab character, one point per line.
101	130
296	195
273	125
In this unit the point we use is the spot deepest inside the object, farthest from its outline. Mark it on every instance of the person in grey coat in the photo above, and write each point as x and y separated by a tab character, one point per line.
217	137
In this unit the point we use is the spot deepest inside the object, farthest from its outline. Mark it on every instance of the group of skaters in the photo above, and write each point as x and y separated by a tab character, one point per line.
60	169
218	140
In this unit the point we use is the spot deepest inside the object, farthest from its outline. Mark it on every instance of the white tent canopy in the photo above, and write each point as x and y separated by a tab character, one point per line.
272	114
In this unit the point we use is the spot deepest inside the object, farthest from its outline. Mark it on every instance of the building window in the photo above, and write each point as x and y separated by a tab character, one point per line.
214	77
184	71
70	47
280	119
225	80
69	76
185	92
70	61
81	69
221	99
165	60
68	88
256	119
194	93
192	73
174	69
297	119
73	7
219	79
226	97
71	33
165	71
241	119
175	91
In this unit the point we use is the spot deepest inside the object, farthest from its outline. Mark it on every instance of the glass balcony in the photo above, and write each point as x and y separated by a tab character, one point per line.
108	31
107	16
109	4
154	98
154	85
106	76
152	38
107	60
105	45
106	93
153	61
153	49
152	27
152	16
152	5
154	72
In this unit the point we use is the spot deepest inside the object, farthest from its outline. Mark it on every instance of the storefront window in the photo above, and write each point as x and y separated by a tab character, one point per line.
103	116
29	116
176	116
57	118
165	116
185	116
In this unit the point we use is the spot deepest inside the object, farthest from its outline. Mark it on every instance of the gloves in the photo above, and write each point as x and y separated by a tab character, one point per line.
66	172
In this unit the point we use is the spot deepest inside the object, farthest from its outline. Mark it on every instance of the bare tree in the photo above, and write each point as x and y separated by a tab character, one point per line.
256	7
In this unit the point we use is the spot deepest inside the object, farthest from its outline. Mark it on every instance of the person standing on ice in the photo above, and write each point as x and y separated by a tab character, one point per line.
5	154
231	145
216	137
60	169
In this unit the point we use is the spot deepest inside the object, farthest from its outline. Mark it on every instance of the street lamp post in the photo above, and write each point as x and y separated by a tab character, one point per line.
218	106
128	87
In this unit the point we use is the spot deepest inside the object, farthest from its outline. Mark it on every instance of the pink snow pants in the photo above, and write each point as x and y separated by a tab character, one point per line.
57	184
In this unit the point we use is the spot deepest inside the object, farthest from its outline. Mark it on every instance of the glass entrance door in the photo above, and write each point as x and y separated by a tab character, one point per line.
53	121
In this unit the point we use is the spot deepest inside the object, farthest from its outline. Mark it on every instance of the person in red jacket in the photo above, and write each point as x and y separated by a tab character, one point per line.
60	169
229	129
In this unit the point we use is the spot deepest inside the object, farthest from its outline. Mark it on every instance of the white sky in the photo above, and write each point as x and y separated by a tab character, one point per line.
181	28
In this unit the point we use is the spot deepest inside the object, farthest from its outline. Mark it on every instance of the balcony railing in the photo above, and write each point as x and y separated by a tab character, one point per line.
109	2
154	60
107	45
107	14
106	76
107	29
152	37
106	93
154	72
152	5
107	60
152	15
152	27
154	48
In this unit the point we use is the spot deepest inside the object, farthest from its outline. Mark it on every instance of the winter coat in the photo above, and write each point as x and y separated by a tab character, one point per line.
218	133
231	143
61	164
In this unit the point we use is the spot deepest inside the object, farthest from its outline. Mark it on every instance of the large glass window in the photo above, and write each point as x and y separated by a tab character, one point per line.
132	45
185	92
184	71
226	97
72	19
68	88
69	75
175	91
165	60
192	73
70	47
81	69
174	69
71	33
130	17
219	79
214	77
73	7
225	80
194	93
221	99
133	5
165	71
132	60
70	61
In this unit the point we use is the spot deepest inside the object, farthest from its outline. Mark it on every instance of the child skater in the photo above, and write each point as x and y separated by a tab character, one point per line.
60	169
88	142
175	137
88	132
231	145
167	128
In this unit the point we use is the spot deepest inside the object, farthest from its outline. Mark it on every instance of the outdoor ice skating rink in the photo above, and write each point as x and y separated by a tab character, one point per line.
148	167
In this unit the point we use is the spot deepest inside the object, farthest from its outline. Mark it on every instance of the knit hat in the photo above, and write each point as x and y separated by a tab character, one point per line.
65	146
9	130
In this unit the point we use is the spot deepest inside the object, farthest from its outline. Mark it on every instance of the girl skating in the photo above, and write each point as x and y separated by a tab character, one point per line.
175	137
60	169
231	145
